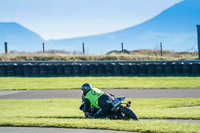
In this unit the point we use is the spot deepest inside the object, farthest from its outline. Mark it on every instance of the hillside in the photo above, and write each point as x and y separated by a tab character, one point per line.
19	38
175	27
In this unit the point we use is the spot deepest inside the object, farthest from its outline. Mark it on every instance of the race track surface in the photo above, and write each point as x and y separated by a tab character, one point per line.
128	93
53	130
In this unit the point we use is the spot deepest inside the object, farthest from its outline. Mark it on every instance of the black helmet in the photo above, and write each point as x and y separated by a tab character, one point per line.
85	88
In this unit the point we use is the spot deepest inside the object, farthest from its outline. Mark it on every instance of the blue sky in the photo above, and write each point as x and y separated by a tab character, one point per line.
57	19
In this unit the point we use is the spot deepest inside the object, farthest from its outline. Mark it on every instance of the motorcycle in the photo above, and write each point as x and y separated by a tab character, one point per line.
118	111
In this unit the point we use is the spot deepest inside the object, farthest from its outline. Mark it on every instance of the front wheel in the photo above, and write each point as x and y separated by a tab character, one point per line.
127	113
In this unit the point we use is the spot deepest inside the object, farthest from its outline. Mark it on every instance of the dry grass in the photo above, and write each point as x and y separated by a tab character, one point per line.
151	54
157	53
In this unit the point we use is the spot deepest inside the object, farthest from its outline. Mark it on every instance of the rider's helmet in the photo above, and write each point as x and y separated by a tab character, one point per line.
85	88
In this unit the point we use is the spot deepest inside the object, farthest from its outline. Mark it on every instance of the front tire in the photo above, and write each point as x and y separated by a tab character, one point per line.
127	113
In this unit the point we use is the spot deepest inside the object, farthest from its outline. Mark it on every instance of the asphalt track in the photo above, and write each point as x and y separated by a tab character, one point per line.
129	93
53	130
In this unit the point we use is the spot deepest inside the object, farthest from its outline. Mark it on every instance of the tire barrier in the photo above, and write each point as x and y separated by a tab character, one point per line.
178	68
134	69
196	68
126	69
3	70
35	70
109	69
169	68
43	69
85	69
27	69
117	69
160	68
11	70
187	68
59	69
76	69
102	69
151	69
143	68
51	69
68	69
93	69
19	70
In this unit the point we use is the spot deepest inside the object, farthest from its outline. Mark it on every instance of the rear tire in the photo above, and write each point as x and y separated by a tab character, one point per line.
128	113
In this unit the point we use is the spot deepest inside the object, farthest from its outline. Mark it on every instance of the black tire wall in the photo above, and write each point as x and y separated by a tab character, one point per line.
100	69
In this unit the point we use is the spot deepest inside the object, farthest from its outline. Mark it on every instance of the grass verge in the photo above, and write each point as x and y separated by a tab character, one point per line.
65	113
120	125
32	83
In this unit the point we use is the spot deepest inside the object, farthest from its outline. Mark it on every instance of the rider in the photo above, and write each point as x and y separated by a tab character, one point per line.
96	98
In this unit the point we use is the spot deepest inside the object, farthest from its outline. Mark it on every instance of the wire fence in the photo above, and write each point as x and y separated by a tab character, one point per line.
4	48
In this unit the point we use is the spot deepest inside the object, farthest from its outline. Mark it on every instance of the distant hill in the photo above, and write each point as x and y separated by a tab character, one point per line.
19	38
175	27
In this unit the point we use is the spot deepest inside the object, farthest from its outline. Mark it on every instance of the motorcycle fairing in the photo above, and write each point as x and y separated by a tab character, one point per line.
116	102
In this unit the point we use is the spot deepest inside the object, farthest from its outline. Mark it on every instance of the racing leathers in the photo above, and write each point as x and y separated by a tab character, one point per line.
95	97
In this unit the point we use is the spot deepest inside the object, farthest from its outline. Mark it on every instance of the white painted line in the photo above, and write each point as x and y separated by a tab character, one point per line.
2	93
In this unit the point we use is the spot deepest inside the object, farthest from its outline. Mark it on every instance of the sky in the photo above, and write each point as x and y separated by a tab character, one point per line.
61	19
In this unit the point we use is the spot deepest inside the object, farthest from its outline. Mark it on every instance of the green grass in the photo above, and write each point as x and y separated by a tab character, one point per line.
65	113
31	83
133	126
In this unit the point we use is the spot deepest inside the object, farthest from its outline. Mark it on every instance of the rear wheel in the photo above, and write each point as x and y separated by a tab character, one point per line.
127	113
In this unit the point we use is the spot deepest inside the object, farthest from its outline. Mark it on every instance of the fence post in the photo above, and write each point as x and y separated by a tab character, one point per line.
43	47
6	47
198	40
122	46
161	53
83	46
